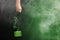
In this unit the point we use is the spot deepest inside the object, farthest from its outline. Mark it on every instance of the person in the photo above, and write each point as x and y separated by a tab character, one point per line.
6	30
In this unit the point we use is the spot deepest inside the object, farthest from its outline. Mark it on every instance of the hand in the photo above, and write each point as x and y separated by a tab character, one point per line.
19	9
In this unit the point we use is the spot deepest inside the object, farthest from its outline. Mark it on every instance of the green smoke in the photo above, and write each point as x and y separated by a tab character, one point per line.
41	20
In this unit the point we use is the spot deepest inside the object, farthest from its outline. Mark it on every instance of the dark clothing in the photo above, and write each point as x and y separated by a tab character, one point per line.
7	12
6	32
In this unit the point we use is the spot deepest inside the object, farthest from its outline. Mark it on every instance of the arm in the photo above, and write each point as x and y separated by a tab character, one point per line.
18	6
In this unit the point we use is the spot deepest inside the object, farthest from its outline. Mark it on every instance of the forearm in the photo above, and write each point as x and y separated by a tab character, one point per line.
18	6
18	3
